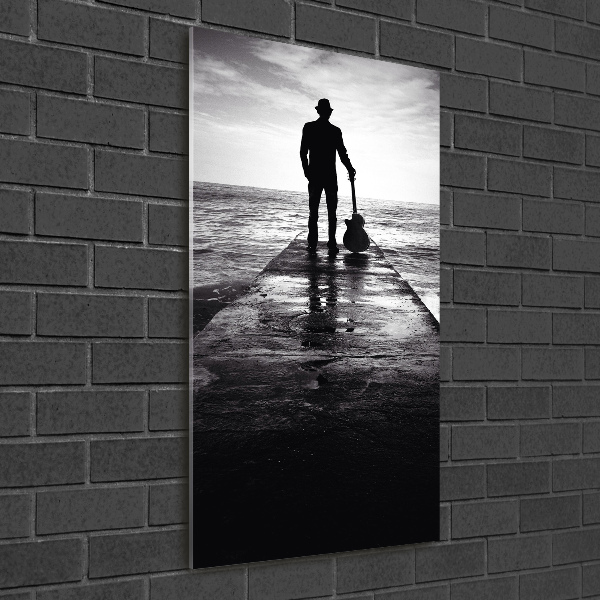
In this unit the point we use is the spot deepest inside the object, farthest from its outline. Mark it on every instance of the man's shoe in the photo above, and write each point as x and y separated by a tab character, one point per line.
333	247
311	249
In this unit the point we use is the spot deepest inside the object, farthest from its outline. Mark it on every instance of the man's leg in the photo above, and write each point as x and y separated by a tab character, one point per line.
332	201
314	198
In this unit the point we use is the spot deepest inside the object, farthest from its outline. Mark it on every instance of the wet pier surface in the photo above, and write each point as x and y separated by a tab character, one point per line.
316	419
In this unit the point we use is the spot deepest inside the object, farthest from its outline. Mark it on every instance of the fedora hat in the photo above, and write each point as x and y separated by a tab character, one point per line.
323	105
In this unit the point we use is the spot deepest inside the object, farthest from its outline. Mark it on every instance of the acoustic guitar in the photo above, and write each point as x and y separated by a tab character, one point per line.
355	238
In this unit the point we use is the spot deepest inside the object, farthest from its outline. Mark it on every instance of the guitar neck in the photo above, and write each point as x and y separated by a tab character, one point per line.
353	196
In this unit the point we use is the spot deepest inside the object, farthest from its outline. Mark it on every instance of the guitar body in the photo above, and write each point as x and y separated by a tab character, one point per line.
356	238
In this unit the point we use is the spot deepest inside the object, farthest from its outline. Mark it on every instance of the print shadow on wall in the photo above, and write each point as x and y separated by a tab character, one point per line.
315	343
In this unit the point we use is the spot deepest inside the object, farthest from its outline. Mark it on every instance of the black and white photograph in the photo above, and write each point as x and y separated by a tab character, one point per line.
314	268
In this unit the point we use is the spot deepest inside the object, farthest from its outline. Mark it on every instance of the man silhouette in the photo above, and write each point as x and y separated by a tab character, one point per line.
320	142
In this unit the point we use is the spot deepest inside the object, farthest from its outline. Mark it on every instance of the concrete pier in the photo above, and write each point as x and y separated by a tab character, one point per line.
315	402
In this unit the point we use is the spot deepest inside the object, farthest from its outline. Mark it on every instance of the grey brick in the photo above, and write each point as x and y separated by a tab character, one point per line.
461	15
135	459
557	512
168	410
444	443
486	363
446	284
591	579
331	28
592	150
123	590
515	554
591	508
592	363
168	224
511	479
558	584
267	16
168	504
445	363
519	327
578	40
462	247
592	220
94	122
140	175
591	437
89	412
546	69
55	561
90	315
520	102
576	255
90	510
552	290
520	27
546	439
399	9
88	218
576	184
462	170
140	82
446	124
141	268
281	580
576	328
458	91
552	363
487	287
82	25
226	583
462	403
576	401
33	163
506	588
518	402
567	8
576	474
169	41
15	211
528	178
515	250
438	592
147	552
14	111
577	111
417	45
576	546
462	482
462	324
41	66
389	568
552	217
487	135
182	8
168	318
15	313
553	144
24	465
14	516
168	132
486	210
592	12
477	519
445	562
14	17
488	58
139	362
592	292
484	441
15	408
42	363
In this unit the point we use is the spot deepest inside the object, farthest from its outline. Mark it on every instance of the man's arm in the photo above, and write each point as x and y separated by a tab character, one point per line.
304	151
344	156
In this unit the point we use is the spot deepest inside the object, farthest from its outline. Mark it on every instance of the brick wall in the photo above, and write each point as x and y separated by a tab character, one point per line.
93	301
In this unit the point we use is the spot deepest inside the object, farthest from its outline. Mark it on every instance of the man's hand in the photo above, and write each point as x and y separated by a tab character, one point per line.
352	173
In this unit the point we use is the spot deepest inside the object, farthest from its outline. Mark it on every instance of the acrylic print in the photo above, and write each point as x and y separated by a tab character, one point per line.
315	269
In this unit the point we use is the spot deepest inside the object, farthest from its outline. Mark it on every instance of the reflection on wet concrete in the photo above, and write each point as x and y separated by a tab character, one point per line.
316	413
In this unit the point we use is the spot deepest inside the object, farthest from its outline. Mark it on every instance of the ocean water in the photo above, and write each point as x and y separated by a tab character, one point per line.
238	230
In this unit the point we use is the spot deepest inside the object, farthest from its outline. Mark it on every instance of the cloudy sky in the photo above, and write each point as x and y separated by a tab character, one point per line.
252	97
